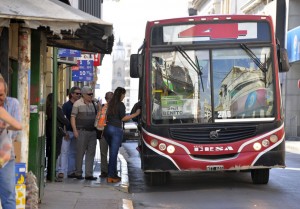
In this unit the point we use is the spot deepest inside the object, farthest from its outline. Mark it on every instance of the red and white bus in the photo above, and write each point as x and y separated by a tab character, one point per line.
211	97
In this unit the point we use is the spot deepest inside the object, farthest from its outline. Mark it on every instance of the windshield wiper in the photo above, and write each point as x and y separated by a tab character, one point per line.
254	58
195	66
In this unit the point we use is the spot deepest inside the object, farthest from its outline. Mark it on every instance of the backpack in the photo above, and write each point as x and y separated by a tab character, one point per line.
100	121
134	109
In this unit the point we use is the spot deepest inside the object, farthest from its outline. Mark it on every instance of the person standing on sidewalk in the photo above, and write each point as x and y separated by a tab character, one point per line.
113	131
7	173
103	143
68	147
82	120
61	122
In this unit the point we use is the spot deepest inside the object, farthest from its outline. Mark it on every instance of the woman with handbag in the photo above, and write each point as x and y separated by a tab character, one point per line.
60	133
113	131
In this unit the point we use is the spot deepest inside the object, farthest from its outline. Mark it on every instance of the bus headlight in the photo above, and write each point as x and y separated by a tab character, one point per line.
273	138
171	149
154	142
265	143
162	146
256	146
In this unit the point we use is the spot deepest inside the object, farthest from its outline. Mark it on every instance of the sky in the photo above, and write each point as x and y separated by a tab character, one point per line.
129	18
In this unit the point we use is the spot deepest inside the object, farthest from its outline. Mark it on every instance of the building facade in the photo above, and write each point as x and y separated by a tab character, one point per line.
290	80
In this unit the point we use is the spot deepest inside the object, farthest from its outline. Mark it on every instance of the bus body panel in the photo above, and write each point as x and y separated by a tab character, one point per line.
239	155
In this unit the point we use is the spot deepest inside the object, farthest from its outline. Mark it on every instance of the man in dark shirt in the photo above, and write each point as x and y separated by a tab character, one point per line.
68	148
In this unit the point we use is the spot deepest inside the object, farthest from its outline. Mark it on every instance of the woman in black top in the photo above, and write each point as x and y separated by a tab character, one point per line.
61	122
113	132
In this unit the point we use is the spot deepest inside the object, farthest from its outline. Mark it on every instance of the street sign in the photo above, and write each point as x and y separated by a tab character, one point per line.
84	72
68	53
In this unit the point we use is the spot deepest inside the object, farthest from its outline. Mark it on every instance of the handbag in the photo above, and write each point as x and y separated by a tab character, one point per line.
100	121
99	132
60	132
5	148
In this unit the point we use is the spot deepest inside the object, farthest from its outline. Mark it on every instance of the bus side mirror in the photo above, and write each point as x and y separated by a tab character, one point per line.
136	70
284	65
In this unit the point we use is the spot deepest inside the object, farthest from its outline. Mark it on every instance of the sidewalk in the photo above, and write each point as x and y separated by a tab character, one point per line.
293	145
81	194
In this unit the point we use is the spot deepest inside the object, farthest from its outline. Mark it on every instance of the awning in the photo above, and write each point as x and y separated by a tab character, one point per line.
65	26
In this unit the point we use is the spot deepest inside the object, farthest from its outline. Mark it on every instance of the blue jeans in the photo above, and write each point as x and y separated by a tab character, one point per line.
114	136
68	155
7	186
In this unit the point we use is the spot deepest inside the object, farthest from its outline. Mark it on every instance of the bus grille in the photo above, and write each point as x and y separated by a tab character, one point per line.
207	135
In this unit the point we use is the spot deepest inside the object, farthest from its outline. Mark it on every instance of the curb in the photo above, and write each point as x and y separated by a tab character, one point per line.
124	185
127	204
292	146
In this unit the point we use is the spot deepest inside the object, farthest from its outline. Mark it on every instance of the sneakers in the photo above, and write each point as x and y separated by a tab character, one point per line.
103	175
92	178
115	179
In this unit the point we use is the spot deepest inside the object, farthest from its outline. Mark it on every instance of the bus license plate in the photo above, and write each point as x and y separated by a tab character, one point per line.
215	167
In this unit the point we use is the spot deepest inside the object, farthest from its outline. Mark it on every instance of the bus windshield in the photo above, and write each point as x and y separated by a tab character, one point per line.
210	86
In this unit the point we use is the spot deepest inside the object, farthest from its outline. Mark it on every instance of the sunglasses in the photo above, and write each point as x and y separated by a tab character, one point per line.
77	93
90	94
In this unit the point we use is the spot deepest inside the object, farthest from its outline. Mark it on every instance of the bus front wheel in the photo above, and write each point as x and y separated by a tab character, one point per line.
260	176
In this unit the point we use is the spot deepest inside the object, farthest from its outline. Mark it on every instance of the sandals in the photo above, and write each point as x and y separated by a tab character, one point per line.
60	175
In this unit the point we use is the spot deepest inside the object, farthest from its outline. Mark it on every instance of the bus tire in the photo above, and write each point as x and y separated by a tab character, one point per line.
158	178
260	176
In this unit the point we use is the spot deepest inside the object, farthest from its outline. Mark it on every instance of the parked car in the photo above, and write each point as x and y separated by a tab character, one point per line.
131	131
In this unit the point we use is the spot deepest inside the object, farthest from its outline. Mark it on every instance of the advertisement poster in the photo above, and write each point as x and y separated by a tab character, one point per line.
293	44
84	71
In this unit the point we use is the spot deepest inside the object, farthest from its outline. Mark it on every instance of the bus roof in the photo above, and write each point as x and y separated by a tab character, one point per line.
210	18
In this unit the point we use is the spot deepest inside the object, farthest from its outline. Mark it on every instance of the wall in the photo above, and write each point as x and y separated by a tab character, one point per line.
291	91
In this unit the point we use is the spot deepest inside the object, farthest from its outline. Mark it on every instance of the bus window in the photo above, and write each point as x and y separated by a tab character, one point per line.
178	96
243	86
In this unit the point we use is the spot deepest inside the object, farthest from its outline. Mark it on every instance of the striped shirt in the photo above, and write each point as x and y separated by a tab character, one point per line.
84	115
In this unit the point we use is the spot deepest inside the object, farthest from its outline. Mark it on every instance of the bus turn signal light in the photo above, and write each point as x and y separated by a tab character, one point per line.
154	142
273	138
